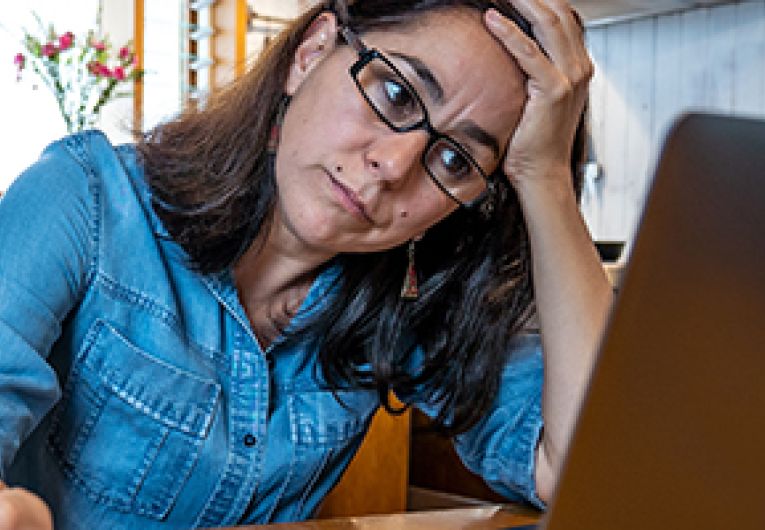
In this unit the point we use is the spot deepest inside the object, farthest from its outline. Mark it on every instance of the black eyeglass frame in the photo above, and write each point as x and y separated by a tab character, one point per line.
367	55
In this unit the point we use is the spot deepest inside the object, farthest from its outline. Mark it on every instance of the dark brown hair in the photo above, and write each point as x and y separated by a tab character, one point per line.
209	170
214	190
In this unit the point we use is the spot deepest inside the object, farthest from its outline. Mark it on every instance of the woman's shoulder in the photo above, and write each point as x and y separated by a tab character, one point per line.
86	148
84	160
98	157
114	173
97	186
64	171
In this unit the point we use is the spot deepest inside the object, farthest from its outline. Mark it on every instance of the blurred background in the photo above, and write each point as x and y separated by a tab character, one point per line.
654	59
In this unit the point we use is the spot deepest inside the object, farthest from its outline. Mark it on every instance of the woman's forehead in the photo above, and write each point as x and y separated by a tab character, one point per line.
471	66
453	43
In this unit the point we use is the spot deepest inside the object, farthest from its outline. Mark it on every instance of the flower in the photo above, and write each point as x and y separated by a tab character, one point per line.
82	73
99	69
20	61
49	50
66	40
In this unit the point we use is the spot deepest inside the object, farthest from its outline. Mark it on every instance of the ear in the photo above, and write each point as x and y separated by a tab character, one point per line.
318	42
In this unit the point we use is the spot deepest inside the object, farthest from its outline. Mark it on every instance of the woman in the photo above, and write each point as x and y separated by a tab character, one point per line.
212	316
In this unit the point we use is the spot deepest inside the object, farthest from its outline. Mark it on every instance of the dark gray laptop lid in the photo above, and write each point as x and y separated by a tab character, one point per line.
672	433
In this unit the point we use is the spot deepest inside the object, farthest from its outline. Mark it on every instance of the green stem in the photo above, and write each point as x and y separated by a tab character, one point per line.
105	95
58	92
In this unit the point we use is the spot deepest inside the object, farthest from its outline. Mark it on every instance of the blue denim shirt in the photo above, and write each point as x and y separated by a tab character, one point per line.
133	393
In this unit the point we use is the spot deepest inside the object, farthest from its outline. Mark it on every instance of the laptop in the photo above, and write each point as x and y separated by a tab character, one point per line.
672	430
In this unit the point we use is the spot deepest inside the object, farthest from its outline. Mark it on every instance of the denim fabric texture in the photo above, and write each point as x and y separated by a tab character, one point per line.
133	393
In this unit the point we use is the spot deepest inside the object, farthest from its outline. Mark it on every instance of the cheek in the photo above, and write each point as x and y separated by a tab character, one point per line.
326	113
309	219
427	207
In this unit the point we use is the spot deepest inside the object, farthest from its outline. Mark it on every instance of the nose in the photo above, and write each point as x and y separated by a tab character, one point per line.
394	155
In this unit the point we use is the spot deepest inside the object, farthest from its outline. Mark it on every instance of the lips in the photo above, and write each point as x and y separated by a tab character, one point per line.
348	199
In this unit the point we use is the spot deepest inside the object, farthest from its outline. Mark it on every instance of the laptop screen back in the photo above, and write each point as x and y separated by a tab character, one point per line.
672	432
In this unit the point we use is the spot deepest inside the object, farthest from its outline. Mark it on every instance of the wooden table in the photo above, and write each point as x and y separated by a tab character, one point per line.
491	517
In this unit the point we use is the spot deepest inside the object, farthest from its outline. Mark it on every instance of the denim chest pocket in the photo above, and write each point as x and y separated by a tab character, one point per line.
324	419
129	427
323	427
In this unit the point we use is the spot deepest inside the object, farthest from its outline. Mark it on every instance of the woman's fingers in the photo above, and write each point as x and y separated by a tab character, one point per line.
541	71
550	29
572	25
571	22
23	510
560	33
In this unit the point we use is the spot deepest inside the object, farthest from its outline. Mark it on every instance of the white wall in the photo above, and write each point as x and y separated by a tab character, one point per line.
163	78
261	30
29	118
117	21
650	70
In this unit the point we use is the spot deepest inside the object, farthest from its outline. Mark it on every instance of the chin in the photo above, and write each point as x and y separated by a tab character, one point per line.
315	227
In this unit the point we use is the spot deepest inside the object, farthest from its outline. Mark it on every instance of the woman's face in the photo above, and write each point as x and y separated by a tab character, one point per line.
346	181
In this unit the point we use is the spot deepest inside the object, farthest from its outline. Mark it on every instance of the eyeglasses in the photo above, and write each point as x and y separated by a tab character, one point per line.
398	105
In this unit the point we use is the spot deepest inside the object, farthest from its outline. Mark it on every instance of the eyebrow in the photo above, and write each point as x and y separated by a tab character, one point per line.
432	85
471	129
436	91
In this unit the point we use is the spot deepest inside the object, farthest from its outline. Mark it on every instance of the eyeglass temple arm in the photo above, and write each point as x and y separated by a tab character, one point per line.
352	39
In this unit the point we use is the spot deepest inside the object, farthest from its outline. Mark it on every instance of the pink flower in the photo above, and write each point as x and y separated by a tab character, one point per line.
119	73
66	40
99	45
99	69
124	53
19	60
49	50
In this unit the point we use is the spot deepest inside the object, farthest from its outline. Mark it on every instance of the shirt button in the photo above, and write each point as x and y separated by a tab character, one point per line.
250	440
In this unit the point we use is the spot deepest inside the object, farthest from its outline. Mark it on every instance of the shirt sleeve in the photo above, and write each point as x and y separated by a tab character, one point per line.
46	246
501	447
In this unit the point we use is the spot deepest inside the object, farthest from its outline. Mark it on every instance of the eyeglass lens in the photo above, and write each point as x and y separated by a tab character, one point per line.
396	102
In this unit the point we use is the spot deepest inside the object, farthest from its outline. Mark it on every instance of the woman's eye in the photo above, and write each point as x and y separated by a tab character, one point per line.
454	163
397	94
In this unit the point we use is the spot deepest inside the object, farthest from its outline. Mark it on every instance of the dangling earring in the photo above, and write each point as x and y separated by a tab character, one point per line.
276	126
410	291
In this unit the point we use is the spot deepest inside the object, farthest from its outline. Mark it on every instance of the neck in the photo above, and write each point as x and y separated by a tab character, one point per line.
277	261
273	277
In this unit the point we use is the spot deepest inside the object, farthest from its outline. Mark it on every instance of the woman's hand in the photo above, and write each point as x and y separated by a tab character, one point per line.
571	290
540	148
23	510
